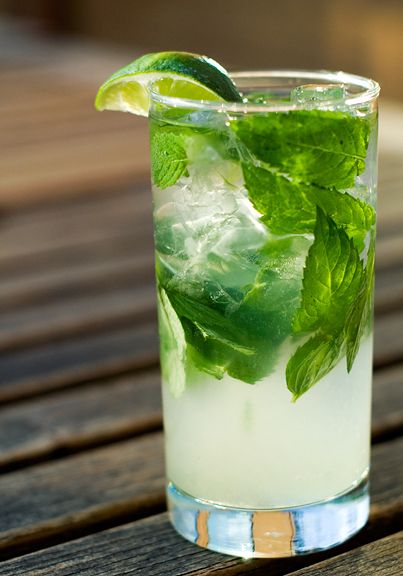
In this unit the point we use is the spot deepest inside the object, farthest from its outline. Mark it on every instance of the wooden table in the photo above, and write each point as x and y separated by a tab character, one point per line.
81	459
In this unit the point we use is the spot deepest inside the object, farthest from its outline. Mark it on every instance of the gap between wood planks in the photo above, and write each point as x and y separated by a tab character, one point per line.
130	549
26	373
72	420
111	485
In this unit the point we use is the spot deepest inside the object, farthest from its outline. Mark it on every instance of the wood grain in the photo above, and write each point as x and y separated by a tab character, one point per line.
65	145
34	232
71	420
388	339
90	163
387	405
389	290
389	252
152	547
70	362
66	362
81	490
51	301
77	330
381	558
86	278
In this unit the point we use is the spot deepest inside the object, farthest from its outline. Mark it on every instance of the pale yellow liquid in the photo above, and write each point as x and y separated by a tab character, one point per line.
250	446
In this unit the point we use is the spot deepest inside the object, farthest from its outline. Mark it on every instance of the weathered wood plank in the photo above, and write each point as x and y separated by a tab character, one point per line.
52	301
57	304
133	550
66	363
389	290
86	416
90	415
89	163
91	313
74	494
36	245
82	490
381	558
84	278
72	226
62	303
388	339
389	252
107	204
387	405
60	258
42	126
390	205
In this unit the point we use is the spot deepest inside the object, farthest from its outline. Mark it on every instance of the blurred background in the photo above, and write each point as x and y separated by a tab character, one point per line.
76	264
361	36
54	54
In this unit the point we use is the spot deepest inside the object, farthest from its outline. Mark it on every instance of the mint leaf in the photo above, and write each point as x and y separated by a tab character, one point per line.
285	206
237	312
210	322
216	356
217	344
332	292
168	157
311	362
360	314
173	346
332	279
351	214
325	148
289	207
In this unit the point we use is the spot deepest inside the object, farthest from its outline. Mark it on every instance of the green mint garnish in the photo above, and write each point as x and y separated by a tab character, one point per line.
289	207
335	305
214	343
351	214
311	362
332	279
238	332
325	148
285	206
173	346
231	316
168	157
360	315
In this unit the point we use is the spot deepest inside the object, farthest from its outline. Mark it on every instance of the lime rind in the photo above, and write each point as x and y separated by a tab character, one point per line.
178	74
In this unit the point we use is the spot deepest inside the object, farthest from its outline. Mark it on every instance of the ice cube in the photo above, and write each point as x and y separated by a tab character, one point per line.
314	93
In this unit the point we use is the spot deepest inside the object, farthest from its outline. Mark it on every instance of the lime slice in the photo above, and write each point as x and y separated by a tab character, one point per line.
177	74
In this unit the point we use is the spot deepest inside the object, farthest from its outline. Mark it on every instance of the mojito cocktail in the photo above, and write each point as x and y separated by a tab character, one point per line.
264	212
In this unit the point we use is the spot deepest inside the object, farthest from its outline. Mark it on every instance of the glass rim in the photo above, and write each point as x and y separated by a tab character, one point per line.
369	92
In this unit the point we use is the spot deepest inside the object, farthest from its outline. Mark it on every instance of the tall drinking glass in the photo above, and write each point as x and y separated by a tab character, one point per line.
264	217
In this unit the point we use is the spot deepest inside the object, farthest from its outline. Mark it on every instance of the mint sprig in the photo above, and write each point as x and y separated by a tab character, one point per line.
335	305
289	207
332	279
173	345
168	157
325	148
285	206
237	330
311	362
297	167
360	315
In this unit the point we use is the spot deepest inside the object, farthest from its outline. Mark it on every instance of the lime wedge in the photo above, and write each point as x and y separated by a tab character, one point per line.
177	74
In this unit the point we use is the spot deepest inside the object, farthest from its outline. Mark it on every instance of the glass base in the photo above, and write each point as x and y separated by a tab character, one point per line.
269	533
